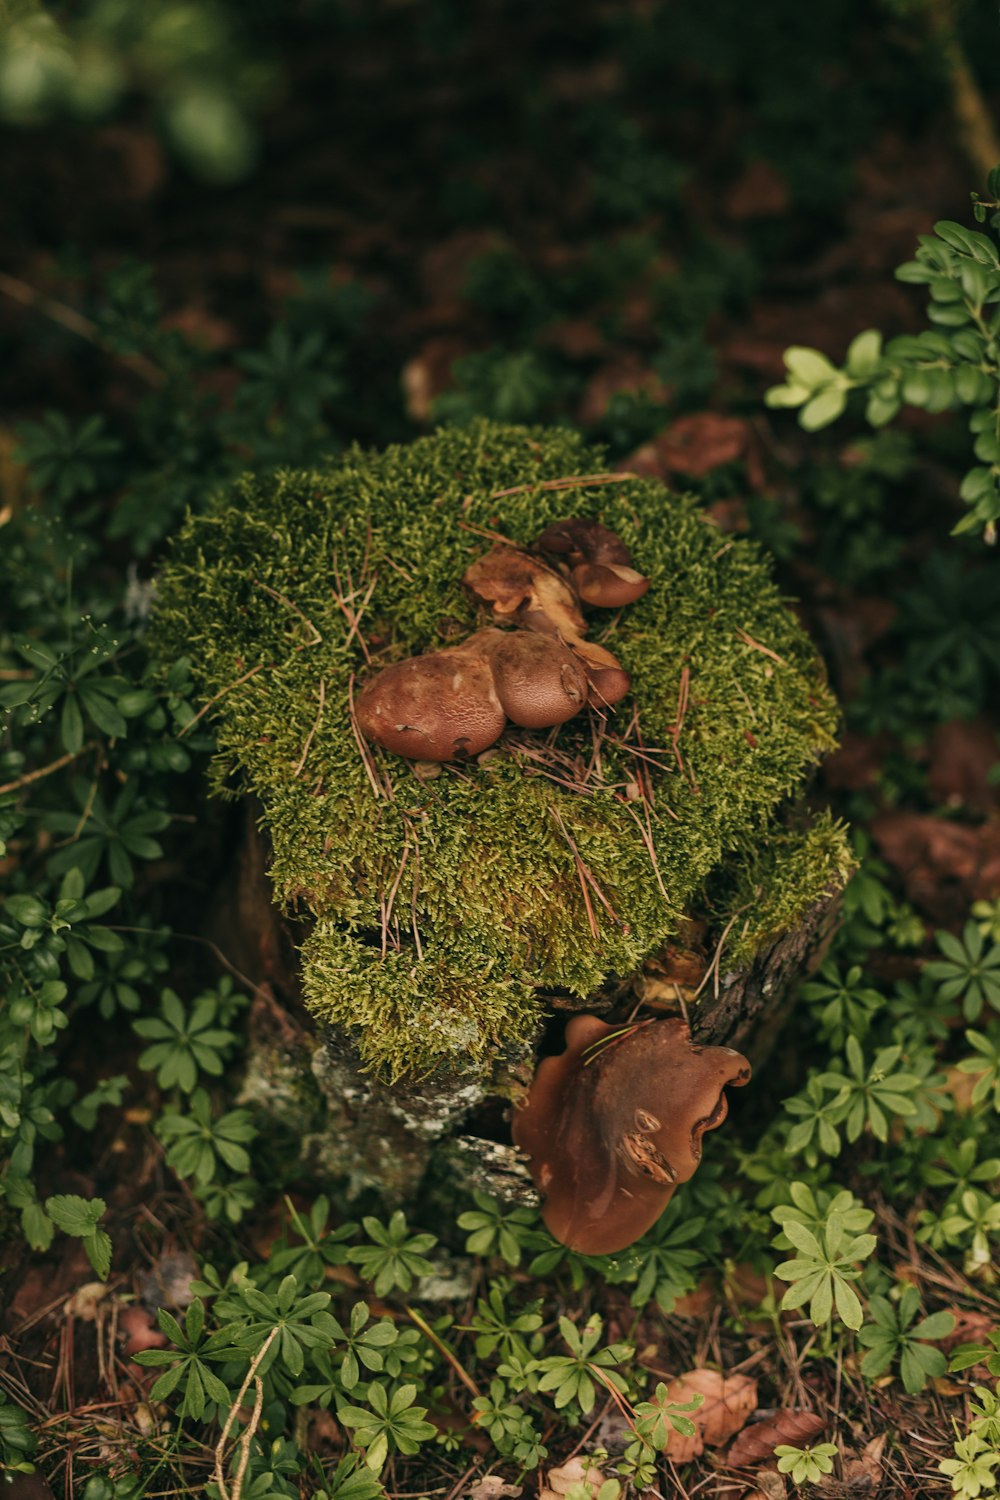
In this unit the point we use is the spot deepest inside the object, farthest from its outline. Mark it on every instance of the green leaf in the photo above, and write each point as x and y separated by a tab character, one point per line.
823	409
809	367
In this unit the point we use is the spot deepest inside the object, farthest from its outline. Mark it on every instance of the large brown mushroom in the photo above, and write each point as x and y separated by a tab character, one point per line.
615	1122
599	563
454	703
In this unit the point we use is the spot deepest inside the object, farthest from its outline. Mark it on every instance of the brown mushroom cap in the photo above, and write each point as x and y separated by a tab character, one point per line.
539	680
522	590
615	1122
600	564
442	706
608	679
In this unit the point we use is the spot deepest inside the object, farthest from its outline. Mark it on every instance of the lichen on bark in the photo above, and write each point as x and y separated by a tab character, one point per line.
442	910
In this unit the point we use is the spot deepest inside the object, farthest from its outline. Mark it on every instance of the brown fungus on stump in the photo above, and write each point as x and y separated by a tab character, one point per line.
615	1122
599	563
454	703
520	589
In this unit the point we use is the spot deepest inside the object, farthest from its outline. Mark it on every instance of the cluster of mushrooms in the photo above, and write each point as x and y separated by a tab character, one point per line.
612	1124
454	703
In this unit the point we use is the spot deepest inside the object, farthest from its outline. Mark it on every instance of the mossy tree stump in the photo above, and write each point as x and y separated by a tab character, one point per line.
429	924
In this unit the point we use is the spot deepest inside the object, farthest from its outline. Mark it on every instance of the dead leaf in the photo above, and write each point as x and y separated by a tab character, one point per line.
771	1486
428	373
626	372
862	1475
945	866
574	1471
696	444
963	753
85	1301
855	765
959	1087
757	1442
970	1328
167	1283
492	1487
728	1402
671	975
699	1302
140	1329
760	192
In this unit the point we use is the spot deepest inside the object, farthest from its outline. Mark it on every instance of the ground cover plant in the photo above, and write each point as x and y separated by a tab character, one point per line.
215	270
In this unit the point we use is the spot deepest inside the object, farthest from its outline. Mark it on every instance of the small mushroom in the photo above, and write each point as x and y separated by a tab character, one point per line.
615	1122
454	703
600	564
521	589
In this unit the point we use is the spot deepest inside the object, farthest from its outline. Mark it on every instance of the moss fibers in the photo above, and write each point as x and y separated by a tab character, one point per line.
443	907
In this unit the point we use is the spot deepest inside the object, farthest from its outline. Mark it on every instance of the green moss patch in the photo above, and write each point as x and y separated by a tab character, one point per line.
443	907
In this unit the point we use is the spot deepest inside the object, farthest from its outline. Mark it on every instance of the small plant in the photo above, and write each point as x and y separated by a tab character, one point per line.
184	1042
572	1376
17	1441
81	1219
826	1266
392	1425
186	1367
805	1465
955	364
651	1424
967	1355
892	1335
496	1230
969	970
397	1256
971	1471
197	1141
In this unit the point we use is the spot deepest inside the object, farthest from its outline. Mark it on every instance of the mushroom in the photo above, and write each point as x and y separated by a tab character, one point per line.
440	706
615	1122
454	703
600	564
523	590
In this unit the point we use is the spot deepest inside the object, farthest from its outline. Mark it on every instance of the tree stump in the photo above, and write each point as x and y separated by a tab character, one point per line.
416	933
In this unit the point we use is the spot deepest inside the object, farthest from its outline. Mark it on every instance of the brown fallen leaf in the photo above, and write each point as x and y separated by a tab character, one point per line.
139	1329
863	1473
771	1486
757	1442
970	1328
760	192
626	372
855	765
960	1087
697	443
945	866
728	1402
86	1300
574	1471
167	1282
492	1487
698	1302
963	757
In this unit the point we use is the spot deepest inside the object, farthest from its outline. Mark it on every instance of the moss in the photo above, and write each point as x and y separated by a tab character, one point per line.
442	907
777	884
